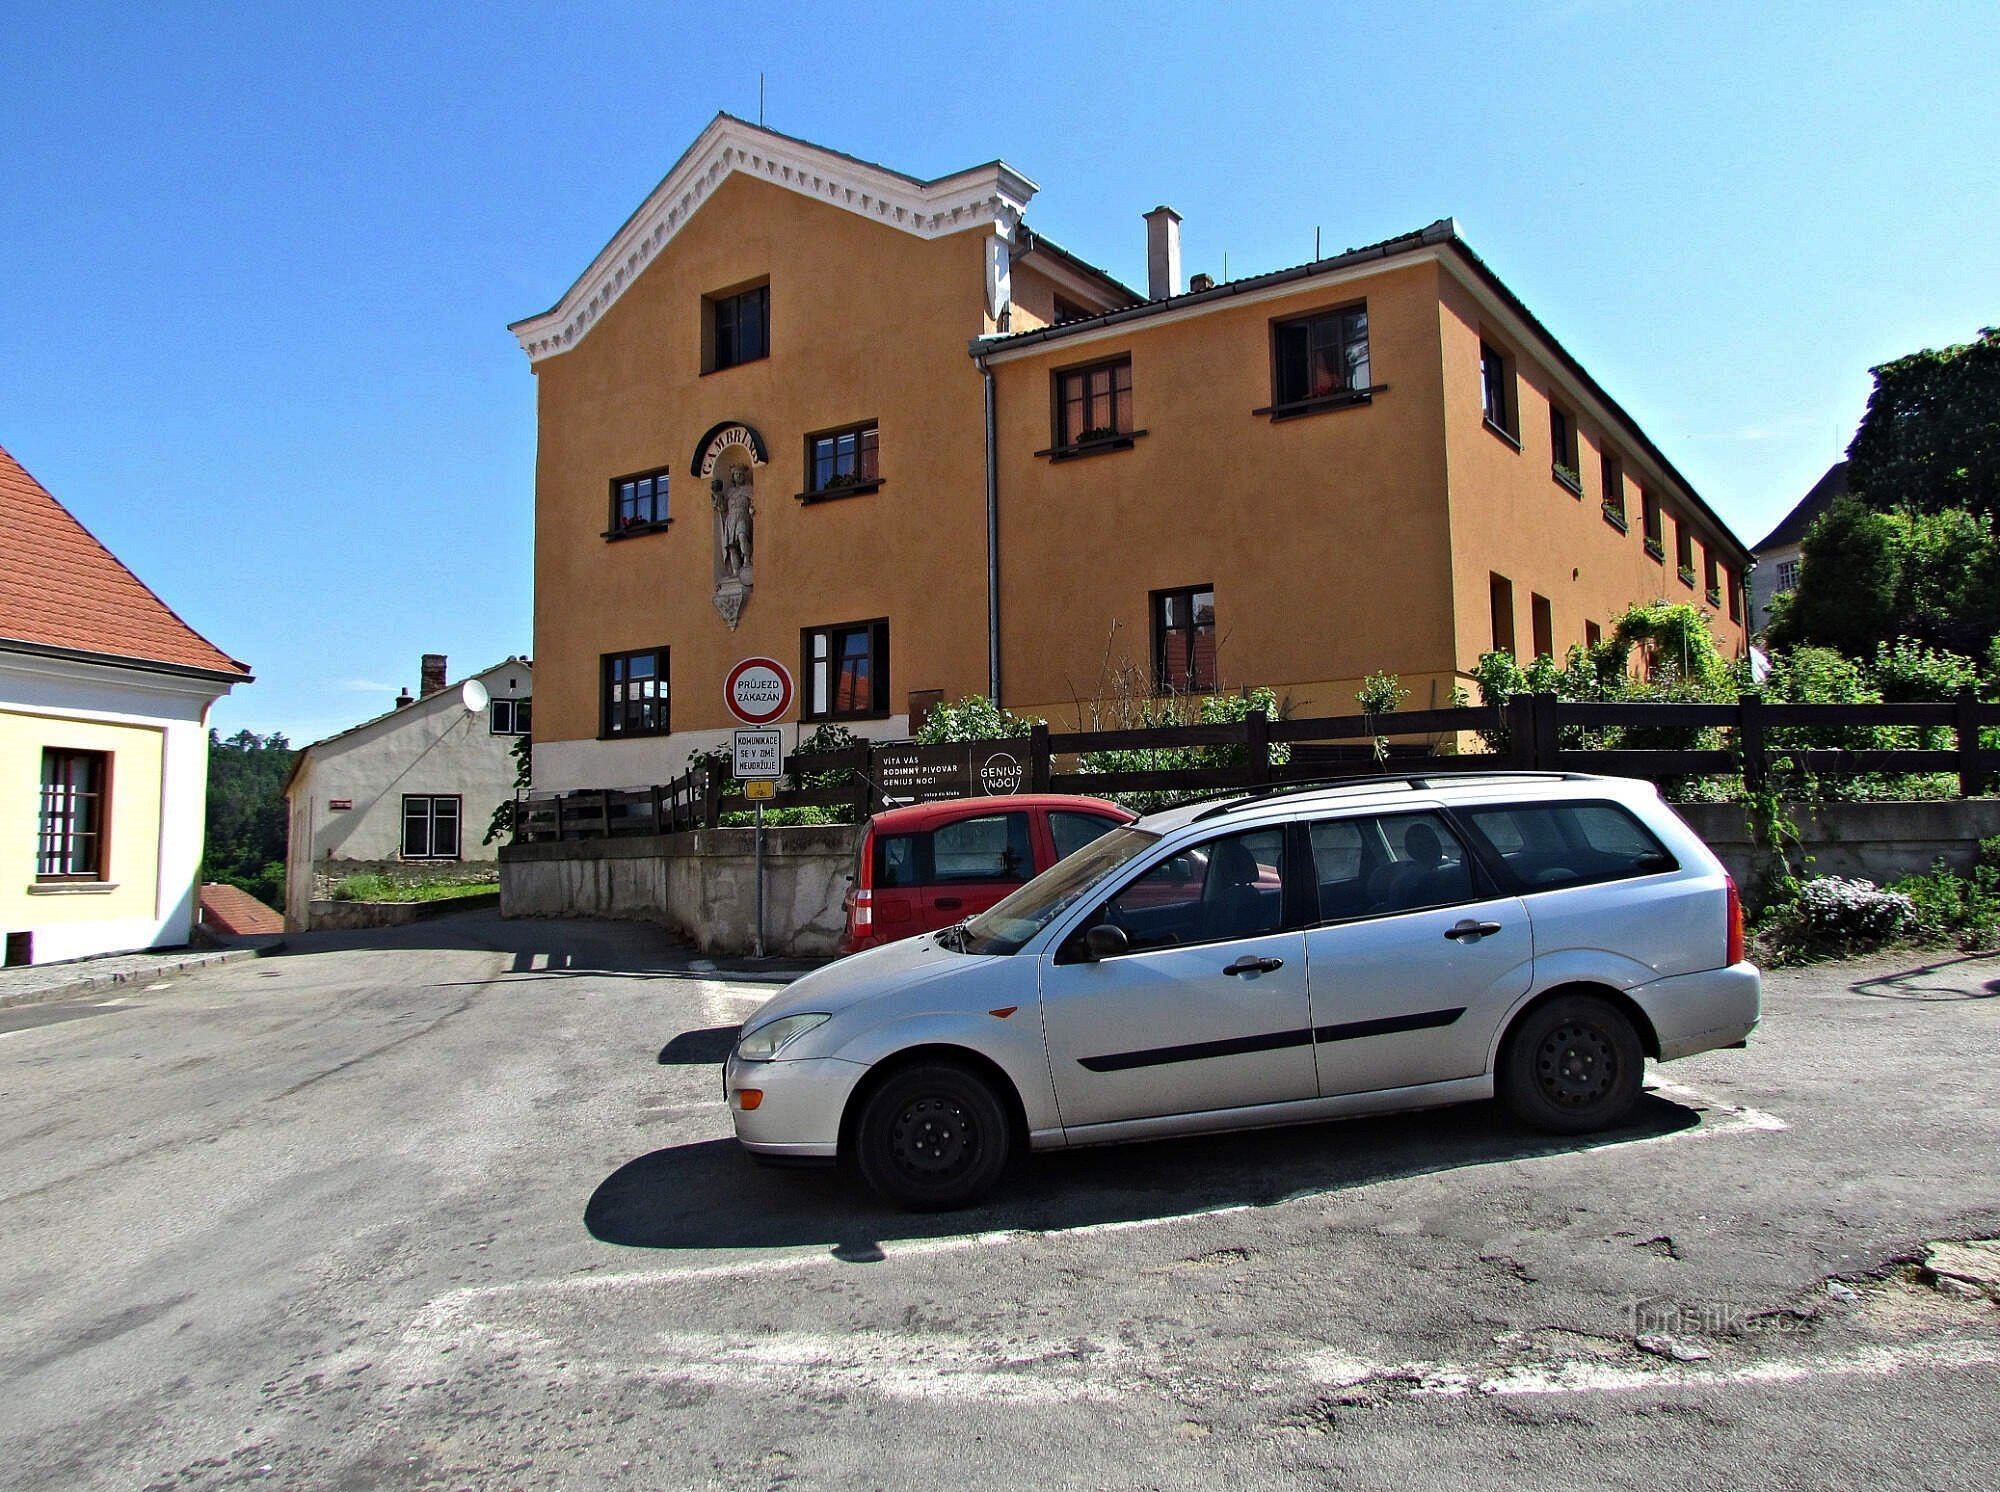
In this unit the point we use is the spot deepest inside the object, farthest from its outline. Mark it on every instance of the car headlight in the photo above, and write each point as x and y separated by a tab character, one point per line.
764	1043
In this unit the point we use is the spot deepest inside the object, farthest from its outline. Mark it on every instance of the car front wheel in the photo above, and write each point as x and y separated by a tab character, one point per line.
932	1137
1574	1065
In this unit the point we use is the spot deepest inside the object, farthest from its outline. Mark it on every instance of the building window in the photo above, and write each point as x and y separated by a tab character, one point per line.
1500	591
75	801
1788	575
1611	472
1069	311
1496	390
739	328
1184	640
1711	577
1684	551
1562	449
430	826
1320	357
1649	508
846	671
1093	404
511	717
1592	635
638	502
843	461
1735	589
635	694
1545	628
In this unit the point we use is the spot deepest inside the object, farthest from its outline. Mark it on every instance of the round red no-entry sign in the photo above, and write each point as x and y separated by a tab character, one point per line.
758	690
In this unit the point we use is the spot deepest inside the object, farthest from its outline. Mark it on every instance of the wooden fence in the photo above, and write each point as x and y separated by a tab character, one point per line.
1530	732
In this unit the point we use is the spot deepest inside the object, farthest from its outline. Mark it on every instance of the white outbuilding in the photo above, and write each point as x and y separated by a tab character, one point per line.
410	790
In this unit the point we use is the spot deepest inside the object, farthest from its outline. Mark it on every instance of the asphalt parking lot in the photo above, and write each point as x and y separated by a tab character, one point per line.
456	1206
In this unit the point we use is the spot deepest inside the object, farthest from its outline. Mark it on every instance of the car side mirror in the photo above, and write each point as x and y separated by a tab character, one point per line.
1105	941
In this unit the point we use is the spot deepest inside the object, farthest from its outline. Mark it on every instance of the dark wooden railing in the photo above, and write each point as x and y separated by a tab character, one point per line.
1530	732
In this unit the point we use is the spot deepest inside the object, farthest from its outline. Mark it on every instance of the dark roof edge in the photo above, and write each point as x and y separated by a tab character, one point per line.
1792	527
395	711
1596	390
1041	243
121	660
1442	231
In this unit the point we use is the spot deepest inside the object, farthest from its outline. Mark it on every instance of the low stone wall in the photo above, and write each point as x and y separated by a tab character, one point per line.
1879	842
351	914
470	872
702	883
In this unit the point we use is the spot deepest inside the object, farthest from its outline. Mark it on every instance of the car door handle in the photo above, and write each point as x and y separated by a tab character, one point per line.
1459	931
1251	964
949	903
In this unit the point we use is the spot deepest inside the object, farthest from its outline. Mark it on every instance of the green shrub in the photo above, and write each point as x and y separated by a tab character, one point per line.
1210	709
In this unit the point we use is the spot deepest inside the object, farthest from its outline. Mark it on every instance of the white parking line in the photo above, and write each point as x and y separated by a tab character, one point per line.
1592	1376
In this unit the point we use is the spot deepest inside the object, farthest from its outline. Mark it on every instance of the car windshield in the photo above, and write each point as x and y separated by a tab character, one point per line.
1004	927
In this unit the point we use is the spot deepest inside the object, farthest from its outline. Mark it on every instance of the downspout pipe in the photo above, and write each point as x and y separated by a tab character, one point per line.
992	539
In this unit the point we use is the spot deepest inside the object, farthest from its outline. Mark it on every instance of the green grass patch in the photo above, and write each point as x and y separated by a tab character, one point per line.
384	888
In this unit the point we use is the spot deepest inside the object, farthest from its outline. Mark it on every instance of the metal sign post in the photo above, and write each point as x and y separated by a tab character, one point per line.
758	761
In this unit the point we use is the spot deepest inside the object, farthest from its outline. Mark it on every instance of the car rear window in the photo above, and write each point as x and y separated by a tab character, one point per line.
898	861
1547	846
1072	830
1376	866
992	847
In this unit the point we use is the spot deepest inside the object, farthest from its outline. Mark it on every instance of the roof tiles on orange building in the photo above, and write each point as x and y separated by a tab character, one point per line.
60	588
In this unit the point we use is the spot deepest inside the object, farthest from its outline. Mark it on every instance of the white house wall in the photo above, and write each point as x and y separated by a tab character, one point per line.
114	695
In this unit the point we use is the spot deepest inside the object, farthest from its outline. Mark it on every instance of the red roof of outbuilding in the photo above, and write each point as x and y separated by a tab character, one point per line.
61	589
234	912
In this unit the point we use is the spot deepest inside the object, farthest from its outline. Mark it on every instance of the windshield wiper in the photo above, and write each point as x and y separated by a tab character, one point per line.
957	933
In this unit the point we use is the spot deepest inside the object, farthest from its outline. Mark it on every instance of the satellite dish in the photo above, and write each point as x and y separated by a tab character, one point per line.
472	694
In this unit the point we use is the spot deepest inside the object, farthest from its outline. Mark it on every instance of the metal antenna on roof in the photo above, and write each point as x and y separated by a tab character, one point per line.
760	100
1315	242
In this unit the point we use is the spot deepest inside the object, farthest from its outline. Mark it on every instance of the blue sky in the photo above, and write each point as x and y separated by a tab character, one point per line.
258	261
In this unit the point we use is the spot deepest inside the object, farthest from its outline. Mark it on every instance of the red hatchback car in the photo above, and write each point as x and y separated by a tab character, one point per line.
933	864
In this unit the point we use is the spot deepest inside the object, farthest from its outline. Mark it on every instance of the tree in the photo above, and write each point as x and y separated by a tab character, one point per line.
1931	437
246	826
1868	578
1850	565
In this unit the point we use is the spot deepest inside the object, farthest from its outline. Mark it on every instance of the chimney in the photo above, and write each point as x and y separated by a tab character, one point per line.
1163	253
403	700
433	675
1201	282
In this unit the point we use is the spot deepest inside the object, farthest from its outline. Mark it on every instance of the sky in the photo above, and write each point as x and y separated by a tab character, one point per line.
258	261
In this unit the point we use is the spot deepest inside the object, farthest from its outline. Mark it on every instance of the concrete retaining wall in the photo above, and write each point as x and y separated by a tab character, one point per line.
1879	842
701	883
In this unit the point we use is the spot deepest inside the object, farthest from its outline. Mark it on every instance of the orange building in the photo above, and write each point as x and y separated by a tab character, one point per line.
809	408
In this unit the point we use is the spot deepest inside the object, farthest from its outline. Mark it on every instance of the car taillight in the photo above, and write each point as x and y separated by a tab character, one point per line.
1734	949
861	912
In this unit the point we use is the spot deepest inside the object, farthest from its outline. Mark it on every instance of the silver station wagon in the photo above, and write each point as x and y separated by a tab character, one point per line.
1303	954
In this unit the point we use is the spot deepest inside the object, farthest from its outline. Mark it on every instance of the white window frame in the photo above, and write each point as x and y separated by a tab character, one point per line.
430	818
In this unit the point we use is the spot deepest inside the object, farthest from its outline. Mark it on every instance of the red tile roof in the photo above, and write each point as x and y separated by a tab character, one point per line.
60	588
234	912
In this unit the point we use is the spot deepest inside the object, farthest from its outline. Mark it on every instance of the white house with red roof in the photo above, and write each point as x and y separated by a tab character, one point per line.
104	699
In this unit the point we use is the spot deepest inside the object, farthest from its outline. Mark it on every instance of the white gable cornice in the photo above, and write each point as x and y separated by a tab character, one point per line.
990	197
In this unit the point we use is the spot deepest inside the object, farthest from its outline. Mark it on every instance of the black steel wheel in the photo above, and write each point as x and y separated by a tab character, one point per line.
1572	1066
931	1137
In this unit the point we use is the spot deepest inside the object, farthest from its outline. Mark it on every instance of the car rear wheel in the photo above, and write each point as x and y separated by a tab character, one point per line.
931	1137
1572	1066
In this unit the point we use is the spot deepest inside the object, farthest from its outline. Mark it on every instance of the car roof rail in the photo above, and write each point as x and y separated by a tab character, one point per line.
1415	781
